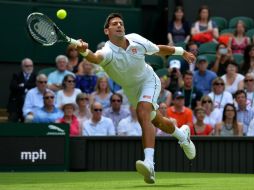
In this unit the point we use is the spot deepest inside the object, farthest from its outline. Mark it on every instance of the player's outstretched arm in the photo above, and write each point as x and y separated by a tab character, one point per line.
172	50
88	54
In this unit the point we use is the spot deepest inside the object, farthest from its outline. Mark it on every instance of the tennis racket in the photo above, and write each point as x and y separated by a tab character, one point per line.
44	31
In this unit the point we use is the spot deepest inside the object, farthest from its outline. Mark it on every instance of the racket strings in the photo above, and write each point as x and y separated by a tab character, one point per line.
42	31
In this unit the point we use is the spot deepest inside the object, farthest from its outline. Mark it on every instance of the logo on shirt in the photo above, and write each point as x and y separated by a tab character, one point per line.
134	50
147	97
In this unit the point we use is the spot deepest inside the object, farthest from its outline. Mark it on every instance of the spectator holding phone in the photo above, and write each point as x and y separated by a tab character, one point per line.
223	55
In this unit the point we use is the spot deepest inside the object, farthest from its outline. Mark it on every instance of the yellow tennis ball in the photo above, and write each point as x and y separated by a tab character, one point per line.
61	14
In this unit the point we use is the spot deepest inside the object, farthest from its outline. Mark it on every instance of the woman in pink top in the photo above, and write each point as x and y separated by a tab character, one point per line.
71	119
240	41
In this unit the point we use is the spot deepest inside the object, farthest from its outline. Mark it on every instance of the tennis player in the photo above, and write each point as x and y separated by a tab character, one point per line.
123	59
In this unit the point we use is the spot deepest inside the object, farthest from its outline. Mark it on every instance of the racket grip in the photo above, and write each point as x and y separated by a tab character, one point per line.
75	42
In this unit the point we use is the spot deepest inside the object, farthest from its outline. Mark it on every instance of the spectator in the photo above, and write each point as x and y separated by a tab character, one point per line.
102	92
219	96
70	118
178	28
204	29
83	112
69	92
163	110
213	115
193	48
200	127
73	57
251	128
55	78
48	113
125	103
34	97
129	126
232	79
248	63
239	41
179	112
244	113
203	77
165	95
98	125
223	55
175	75
192	95
21	82
115	112
249	88
87	80
229	125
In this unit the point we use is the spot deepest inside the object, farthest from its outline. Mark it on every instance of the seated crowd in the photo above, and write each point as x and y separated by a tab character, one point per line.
211	97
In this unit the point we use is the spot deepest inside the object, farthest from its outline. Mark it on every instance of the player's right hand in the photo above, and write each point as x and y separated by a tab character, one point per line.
83	47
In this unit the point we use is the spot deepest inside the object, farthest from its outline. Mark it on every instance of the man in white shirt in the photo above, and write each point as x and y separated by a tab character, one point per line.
98	125
123	59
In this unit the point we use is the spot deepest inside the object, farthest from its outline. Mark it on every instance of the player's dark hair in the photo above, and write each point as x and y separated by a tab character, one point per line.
111	16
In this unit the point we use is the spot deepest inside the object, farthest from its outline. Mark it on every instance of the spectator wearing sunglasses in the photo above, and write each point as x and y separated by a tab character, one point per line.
34	97
48	113
219	95
212	115
116	112
98	125
249	89
69	92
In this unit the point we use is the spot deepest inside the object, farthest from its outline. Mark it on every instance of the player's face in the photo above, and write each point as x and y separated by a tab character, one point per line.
116	28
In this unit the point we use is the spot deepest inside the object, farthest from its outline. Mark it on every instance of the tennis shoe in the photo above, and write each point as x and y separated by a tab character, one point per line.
147	170
187	145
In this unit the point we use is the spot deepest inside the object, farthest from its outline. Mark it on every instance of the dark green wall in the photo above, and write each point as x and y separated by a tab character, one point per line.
82	22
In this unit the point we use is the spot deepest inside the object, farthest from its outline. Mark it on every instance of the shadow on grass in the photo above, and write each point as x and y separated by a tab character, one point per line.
164	186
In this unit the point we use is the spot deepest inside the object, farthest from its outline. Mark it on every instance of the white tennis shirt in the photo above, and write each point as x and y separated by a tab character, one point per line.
128	67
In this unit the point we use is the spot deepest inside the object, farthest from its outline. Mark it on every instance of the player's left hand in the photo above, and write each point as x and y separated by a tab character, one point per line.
189	57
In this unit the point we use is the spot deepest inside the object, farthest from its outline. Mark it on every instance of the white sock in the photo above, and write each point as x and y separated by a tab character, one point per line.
149	154
179	134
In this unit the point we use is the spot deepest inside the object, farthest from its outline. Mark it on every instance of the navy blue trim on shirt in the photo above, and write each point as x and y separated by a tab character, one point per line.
141	45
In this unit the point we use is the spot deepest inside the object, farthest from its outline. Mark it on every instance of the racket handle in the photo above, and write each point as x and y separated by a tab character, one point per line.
75	42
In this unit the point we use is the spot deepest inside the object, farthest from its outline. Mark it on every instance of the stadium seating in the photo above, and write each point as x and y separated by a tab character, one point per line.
207	48
221	22
210	57
249	23
250	34
162	72
229	31
46	71
155	61
181	44
238	58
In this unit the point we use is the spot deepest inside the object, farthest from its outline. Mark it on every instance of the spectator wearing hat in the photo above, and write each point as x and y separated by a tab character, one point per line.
175	75
70	118
48	113
192	95
179	112
98	125
203	78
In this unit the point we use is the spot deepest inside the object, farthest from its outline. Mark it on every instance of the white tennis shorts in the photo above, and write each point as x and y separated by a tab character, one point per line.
148	91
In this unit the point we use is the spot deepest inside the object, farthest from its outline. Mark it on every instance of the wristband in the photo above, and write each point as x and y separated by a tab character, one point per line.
178	51
84	54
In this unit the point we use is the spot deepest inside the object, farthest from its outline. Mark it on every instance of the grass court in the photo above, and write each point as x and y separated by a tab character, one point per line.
123	180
